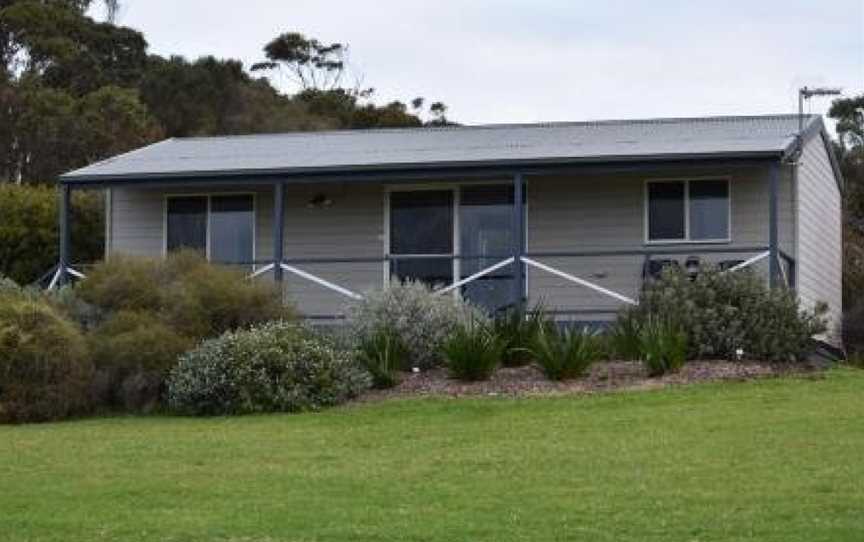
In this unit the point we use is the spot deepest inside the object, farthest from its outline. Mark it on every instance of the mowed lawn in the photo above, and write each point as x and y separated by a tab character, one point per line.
770	460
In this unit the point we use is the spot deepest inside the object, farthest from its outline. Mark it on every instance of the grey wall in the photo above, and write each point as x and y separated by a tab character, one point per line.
564	214
820	232
607	212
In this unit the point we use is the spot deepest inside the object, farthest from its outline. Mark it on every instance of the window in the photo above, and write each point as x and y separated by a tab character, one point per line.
695	210
421	223
187	224
220	227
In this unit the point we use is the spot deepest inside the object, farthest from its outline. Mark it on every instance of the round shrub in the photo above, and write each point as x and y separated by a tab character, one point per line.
722	312
275	367
421	319
45	373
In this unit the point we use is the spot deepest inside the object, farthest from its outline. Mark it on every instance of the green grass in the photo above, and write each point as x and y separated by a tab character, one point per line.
778	460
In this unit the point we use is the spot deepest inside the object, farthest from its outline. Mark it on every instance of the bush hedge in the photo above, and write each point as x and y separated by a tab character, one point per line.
45	372
143	313
722	312
275	367
422	319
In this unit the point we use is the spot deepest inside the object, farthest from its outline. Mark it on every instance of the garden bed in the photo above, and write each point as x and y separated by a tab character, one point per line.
606	376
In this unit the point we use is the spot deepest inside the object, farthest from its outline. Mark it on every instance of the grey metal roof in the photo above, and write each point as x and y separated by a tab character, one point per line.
505	144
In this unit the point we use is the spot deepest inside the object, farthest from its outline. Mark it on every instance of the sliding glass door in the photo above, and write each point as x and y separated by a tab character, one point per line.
428	227
486	229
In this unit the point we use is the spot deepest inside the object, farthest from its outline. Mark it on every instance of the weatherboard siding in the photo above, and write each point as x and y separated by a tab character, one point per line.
571	213
820	257
607	212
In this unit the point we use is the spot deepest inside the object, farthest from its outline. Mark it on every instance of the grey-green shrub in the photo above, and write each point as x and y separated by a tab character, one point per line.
721	312
382	354
422	319
662	345
274	367
565	353
473	351
8	285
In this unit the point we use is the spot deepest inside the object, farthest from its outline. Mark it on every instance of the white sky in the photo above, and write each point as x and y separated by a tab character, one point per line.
548	60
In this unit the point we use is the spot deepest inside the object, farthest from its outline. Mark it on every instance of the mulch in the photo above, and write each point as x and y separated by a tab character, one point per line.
603	377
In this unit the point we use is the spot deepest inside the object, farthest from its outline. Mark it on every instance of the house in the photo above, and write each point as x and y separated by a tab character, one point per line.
588	210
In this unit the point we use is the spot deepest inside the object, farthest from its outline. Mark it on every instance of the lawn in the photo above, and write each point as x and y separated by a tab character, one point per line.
774	460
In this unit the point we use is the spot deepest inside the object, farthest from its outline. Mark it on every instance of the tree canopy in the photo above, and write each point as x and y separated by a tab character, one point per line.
74	90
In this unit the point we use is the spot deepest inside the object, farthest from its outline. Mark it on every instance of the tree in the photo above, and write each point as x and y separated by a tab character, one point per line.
849	114
29	230
310	64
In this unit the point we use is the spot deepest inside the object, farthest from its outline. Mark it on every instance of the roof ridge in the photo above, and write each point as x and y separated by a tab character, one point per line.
493	126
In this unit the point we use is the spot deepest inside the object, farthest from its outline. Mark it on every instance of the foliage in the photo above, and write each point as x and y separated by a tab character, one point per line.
44	369
518	332
74	90
8	286
275	367
849	114
28	230
473	351
183	291
565	353
310	63
723	312
420	318
663	346
624	336
383	354
132	352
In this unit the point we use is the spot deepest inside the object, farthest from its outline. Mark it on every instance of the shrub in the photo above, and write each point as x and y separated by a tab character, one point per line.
275	367
565	353
518	331
720	312
663	346
187	293
420	318
132	352
473	351
8	285
383	354
624	337
44	368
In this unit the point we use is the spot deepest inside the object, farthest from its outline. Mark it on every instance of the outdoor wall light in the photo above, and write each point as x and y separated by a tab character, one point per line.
319	201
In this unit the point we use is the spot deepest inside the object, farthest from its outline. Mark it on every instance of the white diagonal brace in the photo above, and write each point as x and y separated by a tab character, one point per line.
320	281
75	273
261	271
751	261
56	277
579	281
476	276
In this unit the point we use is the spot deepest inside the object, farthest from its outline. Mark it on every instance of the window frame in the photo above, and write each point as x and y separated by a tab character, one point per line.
209	197
686	239
456	188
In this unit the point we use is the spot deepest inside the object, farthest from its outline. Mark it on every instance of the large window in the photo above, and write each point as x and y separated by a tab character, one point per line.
221	227
696	210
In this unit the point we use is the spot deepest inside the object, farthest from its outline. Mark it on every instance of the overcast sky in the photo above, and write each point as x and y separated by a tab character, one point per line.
548	60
